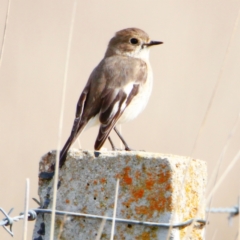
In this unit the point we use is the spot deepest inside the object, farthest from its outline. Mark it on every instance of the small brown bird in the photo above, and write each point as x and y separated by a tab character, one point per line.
117	90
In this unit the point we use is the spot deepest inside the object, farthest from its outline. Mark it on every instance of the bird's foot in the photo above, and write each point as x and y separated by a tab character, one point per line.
119	149
123	149
128	149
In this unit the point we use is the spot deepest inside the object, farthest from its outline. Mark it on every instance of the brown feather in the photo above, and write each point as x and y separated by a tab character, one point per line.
103	90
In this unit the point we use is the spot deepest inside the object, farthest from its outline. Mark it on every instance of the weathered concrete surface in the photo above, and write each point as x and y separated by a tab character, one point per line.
151	189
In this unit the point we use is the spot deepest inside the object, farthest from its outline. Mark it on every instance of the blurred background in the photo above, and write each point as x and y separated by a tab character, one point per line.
194	106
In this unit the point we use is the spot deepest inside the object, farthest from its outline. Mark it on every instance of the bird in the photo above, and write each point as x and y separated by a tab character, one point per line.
117	90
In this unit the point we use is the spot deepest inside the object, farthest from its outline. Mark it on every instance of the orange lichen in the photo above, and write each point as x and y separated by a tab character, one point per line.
138	193
151	186
67	201
163	177
147	235
168	187
125	176
144	236
103	180
149	183
142	210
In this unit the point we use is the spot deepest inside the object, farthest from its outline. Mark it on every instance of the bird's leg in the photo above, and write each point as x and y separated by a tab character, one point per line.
127	148
112	144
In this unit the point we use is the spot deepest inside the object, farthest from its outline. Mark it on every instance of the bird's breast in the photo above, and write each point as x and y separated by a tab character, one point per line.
140	101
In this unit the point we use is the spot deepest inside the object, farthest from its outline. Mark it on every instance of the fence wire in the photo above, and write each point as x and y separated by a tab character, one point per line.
32	215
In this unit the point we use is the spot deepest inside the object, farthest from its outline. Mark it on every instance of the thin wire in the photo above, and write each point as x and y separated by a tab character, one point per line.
8	221
236	238
61	227
217	83
25	223
230	210
100	230
122	220
115	210
32	215
215	234
232	132
4	31
230	166
61	122
220	160
215	90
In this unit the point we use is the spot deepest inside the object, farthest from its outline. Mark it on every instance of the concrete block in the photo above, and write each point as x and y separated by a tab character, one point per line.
153	187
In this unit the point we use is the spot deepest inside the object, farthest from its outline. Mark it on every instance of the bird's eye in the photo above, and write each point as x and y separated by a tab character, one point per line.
133	41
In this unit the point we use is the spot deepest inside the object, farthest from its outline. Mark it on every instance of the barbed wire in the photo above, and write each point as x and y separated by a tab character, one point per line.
32	215
8	221
233	211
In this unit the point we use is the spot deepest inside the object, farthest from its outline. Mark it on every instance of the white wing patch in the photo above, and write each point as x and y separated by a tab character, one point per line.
94	121
127	89
115	109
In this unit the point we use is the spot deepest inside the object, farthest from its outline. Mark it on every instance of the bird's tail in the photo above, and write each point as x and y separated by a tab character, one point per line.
63	153
70	141
103	133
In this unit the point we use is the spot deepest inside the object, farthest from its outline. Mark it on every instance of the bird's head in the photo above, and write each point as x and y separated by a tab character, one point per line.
131	42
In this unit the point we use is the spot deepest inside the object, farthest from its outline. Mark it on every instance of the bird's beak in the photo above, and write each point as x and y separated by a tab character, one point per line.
152	43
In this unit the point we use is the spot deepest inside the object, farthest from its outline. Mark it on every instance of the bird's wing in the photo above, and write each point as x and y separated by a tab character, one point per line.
109	90
124	77
78	125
